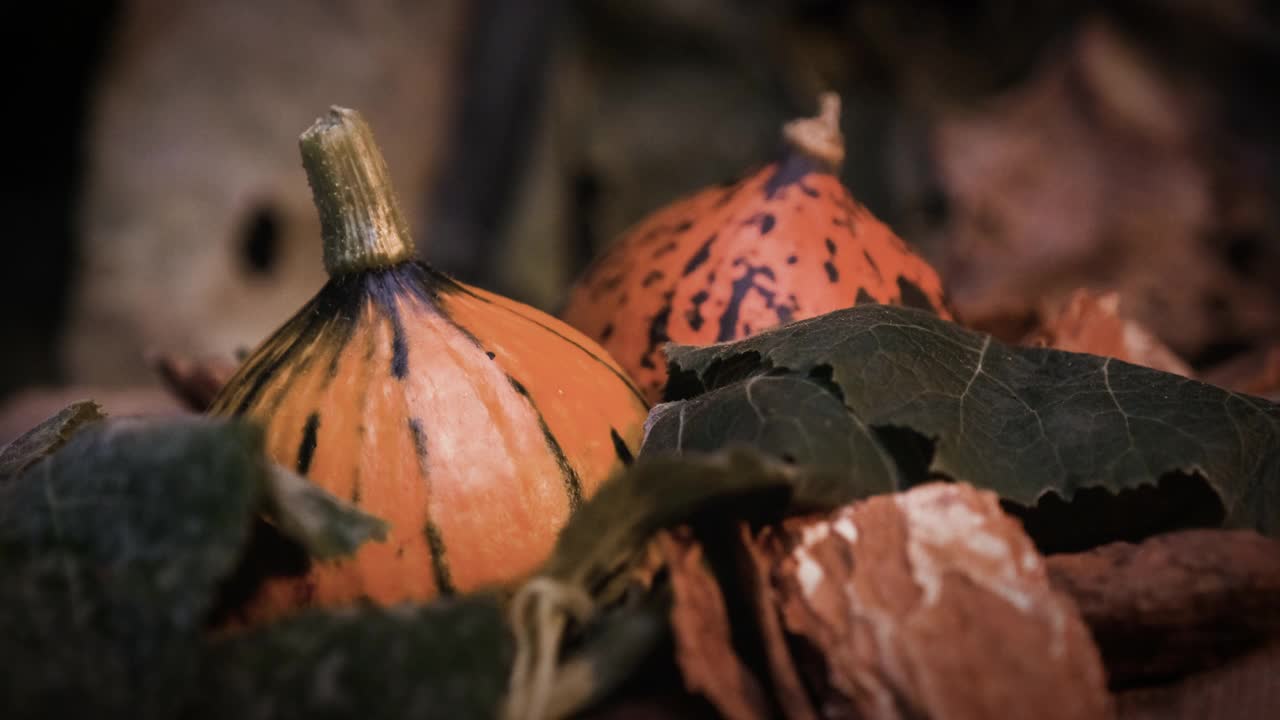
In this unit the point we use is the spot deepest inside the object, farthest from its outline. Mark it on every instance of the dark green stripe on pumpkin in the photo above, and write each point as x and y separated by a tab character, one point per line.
384	298
572	483
435	541
263	366
328	320
439	564
307	448
620	447
419	443
446	282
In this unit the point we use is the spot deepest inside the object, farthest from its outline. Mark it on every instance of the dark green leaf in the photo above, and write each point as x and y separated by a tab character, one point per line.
806	422
449	659
1024	422
47	437
317	520
587	576
656	492
112	550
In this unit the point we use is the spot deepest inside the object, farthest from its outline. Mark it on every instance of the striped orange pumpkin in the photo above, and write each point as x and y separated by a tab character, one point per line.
473	424
785	242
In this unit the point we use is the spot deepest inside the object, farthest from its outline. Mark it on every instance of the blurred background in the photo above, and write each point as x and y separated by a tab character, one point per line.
157	202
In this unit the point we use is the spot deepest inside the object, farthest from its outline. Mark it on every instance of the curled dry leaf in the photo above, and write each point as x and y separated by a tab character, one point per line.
930	603
47	437
1092	322
32	406
1108	164
788	687
1256	373
195	382
1175	603
703	636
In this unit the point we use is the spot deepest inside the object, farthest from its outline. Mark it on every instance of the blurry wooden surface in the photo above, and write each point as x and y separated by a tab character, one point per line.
197	232
1248	688
25	409
1026	151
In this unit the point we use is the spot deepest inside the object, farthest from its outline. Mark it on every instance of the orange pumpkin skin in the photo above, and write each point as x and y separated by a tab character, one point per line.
785	243
474	425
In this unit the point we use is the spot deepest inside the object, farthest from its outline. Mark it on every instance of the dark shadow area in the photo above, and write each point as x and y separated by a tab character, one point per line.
683	384
260	241
1096	516
56	56
822	376
268	554
911	451
506	49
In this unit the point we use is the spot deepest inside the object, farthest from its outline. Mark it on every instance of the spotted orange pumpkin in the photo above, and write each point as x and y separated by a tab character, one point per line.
784	243
473	424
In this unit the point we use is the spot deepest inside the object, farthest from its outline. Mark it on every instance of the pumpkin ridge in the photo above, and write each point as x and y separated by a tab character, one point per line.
439	564
423	283
384	298
337	303
364	383
257	371
435	539
572	483
618	373
315	342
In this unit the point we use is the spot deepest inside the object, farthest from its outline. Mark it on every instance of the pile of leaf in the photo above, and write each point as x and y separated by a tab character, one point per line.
687	584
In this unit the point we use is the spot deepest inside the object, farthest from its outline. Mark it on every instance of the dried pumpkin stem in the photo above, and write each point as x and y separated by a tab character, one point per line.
819	137
360	218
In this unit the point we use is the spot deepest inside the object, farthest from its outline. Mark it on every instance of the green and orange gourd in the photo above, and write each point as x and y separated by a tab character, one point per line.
471	423
785	242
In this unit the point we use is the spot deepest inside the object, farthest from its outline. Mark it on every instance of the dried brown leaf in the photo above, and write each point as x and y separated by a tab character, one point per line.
1247	688
1256	372
704	642
787	684
1175	603
194	382
1088	321
932	603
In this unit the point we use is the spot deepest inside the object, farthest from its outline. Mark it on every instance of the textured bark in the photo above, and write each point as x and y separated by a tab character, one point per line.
1247	688
1175	603
930	603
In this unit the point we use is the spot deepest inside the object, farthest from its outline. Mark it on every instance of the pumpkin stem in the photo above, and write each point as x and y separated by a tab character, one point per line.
819	137
360	218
